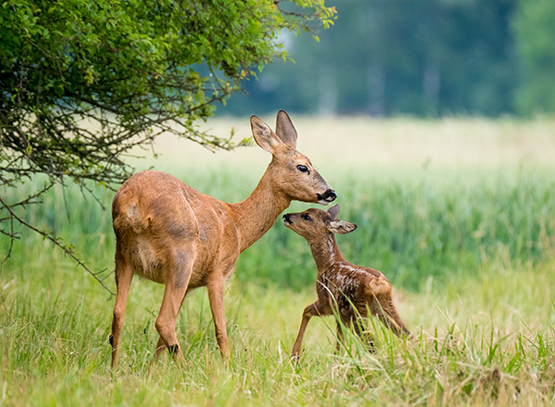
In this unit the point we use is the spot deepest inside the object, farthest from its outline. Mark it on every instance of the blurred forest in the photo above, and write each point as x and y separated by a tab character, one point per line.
424	58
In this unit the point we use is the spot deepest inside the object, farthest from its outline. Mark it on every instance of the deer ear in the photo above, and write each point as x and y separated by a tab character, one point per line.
341	227
264	136
334	211
285	129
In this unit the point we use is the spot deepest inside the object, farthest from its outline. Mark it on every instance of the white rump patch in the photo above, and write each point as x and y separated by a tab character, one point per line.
134	218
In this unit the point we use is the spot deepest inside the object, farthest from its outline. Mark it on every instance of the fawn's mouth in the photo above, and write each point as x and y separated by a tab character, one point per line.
287	220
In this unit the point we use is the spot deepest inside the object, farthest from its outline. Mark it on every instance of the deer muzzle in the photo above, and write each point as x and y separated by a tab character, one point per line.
327	197
287	219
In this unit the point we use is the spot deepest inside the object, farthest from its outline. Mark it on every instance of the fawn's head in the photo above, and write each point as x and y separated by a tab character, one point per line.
292	172
315	224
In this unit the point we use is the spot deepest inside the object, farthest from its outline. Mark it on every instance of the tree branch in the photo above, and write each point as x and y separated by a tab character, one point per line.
57	241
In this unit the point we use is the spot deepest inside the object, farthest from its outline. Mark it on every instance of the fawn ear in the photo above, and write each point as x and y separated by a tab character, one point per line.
341	227
285	129
264	136
334	212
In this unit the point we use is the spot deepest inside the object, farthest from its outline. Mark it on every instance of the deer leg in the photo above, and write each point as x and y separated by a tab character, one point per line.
357	322
165	323
354	320
161	345
340	337
383	308
124	276
216	299
369	338
174	294
309	312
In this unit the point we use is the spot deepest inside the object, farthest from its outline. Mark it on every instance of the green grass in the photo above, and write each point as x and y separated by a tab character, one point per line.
484	340
408	229
470	254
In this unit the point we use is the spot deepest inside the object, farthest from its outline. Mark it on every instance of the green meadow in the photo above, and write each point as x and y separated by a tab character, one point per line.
459	214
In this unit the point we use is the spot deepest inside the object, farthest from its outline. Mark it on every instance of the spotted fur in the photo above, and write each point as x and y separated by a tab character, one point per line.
343	287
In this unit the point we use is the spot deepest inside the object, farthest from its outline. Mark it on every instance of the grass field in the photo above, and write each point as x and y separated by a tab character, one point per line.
458	214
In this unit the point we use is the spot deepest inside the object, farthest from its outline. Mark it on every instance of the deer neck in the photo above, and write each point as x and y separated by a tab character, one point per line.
255	215
326	253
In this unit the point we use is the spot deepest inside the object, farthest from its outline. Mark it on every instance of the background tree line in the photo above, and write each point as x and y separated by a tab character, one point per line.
416	57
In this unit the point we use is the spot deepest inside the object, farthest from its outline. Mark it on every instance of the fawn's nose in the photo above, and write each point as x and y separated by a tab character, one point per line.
287	219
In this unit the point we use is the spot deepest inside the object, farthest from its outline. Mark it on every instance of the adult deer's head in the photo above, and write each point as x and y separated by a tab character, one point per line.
292	172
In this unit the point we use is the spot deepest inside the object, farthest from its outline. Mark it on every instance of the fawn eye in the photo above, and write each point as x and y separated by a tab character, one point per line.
302	168
306	217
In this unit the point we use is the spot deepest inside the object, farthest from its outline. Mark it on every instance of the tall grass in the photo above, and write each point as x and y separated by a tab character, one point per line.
470	254
408	230
481	341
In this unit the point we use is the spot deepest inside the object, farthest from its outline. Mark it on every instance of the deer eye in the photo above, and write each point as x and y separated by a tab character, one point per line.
306	217
302	168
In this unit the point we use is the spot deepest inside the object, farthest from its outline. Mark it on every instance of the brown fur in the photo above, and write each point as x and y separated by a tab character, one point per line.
341	286
172	234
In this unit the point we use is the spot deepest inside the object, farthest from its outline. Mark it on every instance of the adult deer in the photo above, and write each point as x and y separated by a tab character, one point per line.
172	234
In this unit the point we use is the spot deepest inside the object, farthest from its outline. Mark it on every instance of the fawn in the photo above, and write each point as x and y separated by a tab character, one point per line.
172	234
348	289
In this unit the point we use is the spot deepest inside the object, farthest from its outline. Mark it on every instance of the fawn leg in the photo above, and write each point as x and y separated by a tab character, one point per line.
362	333
309	312
340	337
354	319
383	308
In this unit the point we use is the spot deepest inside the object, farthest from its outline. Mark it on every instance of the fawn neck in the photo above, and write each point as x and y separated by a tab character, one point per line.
255	215
325	252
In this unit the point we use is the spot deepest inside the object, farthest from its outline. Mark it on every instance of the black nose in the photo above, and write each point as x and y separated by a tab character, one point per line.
329	196
286	218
